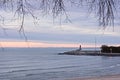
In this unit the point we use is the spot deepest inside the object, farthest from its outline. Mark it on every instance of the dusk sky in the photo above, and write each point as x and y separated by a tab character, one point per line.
83	29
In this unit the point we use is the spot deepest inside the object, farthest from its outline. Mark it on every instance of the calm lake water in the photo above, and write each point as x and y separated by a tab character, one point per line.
46	64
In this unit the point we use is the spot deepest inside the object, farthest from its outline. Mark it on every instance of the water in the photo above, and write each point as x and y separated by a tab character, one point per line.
46	64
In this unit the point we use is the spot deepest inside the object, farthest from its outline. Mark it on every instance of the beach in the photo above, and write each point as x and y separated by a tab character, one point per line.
110	77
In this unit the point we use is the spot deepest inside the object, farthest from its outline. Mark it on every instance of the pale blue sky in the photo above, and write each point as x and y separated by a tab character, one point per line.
82	29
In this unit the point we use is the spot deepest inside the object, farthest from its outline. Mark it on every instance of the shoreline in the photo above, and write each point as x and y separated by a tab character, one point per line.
107	77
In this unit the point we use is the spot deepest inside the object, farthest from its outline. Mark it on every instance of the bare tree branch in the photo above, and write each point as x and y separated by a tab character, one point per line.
105	8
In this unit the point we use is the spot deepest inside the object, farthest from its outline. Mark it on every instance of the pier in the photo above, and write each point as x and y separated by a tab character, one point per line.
89	52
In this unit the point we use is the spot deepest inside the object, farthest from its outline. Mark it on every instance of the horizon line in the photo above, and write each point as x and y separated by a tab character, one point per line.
31	44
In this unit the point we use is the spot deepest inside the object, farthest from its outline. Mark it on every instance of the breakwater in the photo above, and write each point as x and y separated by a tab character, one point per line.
89	52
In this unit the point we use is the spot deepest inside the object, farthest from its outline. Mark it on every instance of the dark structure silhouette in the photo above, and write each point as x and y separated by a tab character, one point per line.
110	49
80	48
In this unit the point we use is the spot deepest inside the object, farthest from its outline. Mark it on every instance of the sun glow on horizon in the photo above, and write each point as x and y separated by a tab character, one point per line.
19	44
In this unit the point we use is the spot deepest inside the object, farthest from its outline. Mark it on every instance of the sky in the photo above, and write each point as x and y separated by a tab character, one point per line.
83	29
